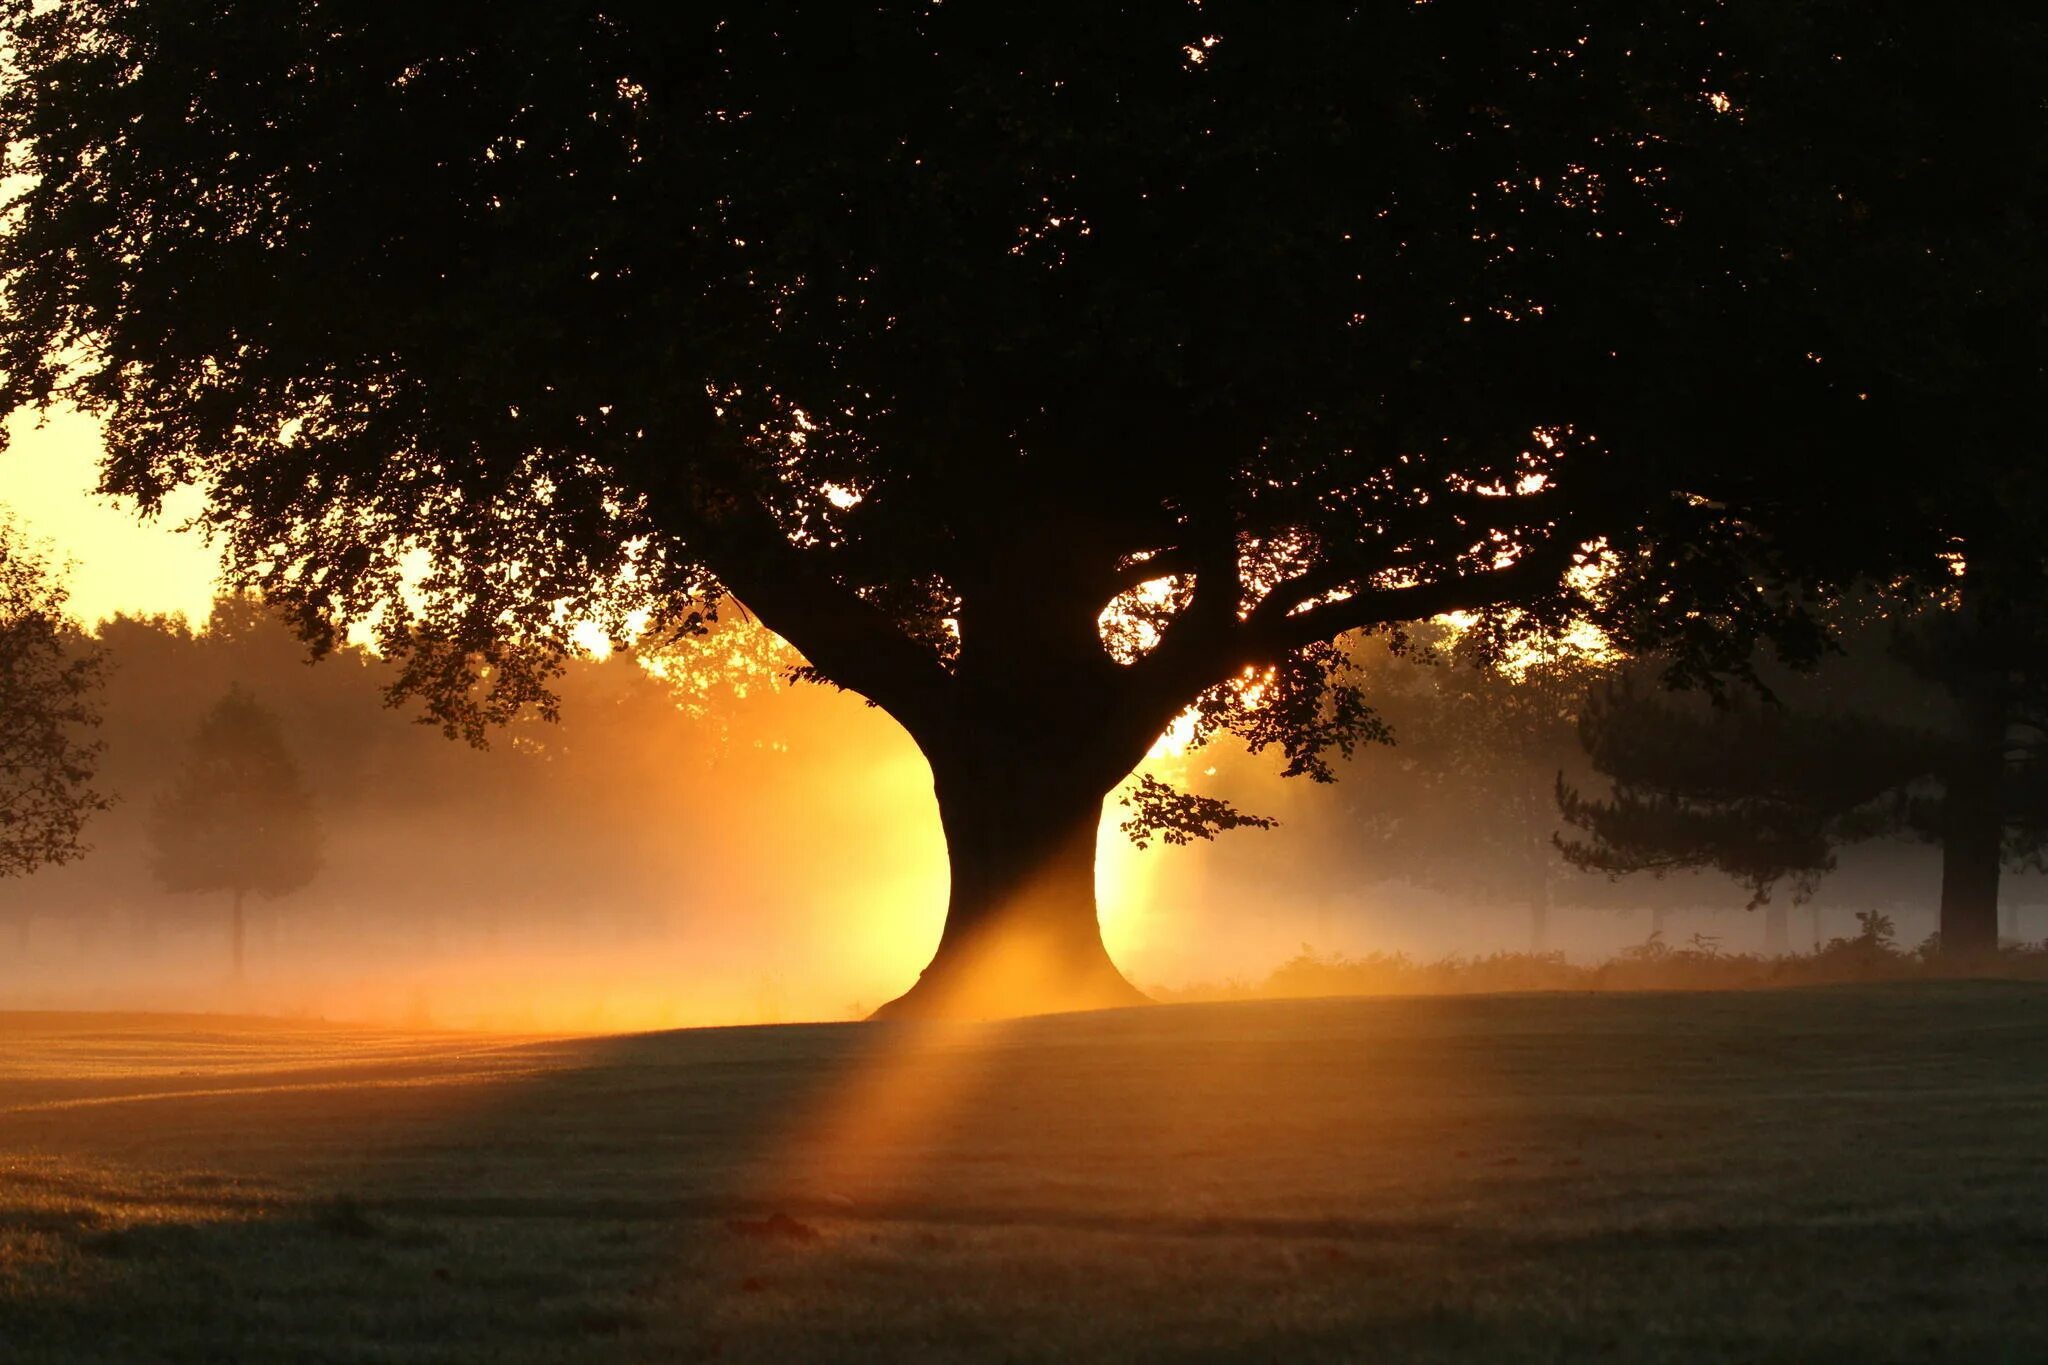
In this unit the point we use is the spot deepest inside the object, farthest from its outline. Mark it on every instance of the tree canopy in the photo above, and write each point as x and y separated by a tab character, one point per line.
1036	370
896	317
237	817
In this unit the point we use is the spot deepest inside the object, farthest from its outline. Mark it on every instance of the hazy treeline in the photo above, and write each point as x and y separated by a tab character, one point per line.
677	851
1450	841
1870	951
663	851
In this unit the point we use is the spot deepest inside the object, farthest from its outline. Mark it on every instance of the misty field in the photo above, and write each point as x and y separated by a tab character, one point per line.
1851	1173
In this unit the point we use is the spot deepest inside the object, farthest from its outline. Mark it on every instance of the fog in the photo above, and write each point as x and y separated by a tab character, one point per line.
688	851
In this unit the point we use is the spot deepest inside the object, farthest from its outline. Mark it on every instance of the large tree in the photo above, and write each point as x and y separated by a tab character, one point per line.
1036	370
50	684
237	817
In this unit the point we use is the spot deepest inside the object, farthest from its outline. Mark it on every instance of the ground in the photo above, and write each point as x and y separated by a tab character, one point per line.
1847	1173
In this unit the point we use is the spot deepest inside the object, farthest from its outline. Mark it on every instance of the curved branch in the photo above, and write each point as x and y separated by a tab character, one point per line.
846	638
1536	571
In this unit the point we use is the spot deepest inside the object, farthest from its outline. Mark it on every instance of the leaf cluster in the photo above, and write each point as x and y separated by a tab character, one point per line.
50	683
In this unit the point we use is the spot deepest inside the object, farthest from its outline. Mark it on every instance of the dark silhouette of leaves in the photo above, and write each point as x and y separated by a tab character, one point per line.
50	682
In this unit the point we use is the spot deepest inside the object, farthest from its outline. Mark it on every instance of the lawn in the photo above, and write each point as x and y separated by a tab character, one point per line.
1841	1173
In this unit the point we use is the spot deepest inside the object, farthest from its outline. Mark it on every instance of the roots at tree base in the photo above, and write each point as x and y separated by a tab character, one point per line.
1022	932
1005	974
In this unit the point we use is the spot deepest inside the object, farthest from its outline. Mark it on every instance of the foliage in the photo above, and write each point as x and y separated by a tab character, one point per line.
939	334
50	690
1462	802
1925	728
1181	817
1763	789
1037	371
238	816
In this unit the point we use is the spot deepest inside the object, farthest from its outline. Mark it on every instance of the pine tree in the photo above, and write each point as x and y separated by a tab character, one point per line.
238	817
1930	729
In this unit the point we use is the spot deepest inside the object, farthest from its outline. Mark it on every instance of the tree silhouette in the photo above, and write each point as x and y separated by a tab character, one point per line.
238	817
50	680
1948	748
1036	370
1463	803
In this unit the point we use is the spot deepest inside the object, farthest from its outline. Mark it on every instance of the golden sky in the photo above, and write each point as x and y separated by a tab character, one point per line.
118	563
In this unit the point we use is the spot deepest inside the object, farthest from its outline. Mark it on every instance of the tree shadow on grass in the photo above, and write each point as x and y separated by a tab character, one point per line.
1506	1178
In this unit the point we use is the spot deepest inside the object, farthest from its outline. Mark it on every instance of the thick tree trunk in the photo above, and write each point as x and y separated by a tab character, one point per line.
235	931
1973	829
1021	932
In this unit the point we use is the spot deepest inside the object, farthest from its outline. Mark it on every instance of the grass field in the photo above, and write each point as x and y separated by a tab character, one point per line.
1832	1174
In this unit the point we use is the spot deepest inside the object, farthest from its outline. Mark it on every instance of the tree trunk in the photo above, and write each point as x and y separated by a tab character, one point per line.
1973	828
235	933
1813	924
1777	931
1021	935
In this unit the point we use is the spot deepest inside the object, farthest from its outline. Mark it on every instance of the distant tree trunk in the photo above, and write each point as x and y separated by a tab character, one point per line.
2009	923
1973	826
1656	920
1022	934
235	931
1539	917
1813	922
1777	930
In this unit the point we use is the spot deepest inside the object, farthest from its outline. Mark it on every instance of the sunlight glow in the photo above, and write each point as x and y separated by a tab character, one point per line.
119	564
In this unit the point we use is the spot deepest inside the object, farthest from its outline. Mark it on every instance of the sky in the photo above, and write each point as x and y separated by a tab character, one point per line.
117	562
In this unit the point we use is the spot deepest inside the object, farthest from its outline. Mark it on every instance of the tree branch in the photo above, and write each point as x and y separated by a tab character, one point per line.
1165	563
845	637
1275	628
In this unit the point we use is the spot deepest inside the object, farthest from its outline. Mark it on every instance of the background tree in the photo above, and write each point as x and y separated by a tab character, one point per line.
1036	370
1464	801
238	818
1943	741
615	846
50	681
1461	800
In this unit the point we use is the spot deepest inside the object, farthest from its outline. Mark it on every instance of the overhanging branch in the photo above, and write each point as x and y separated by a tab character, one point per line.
1525	578
846	638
